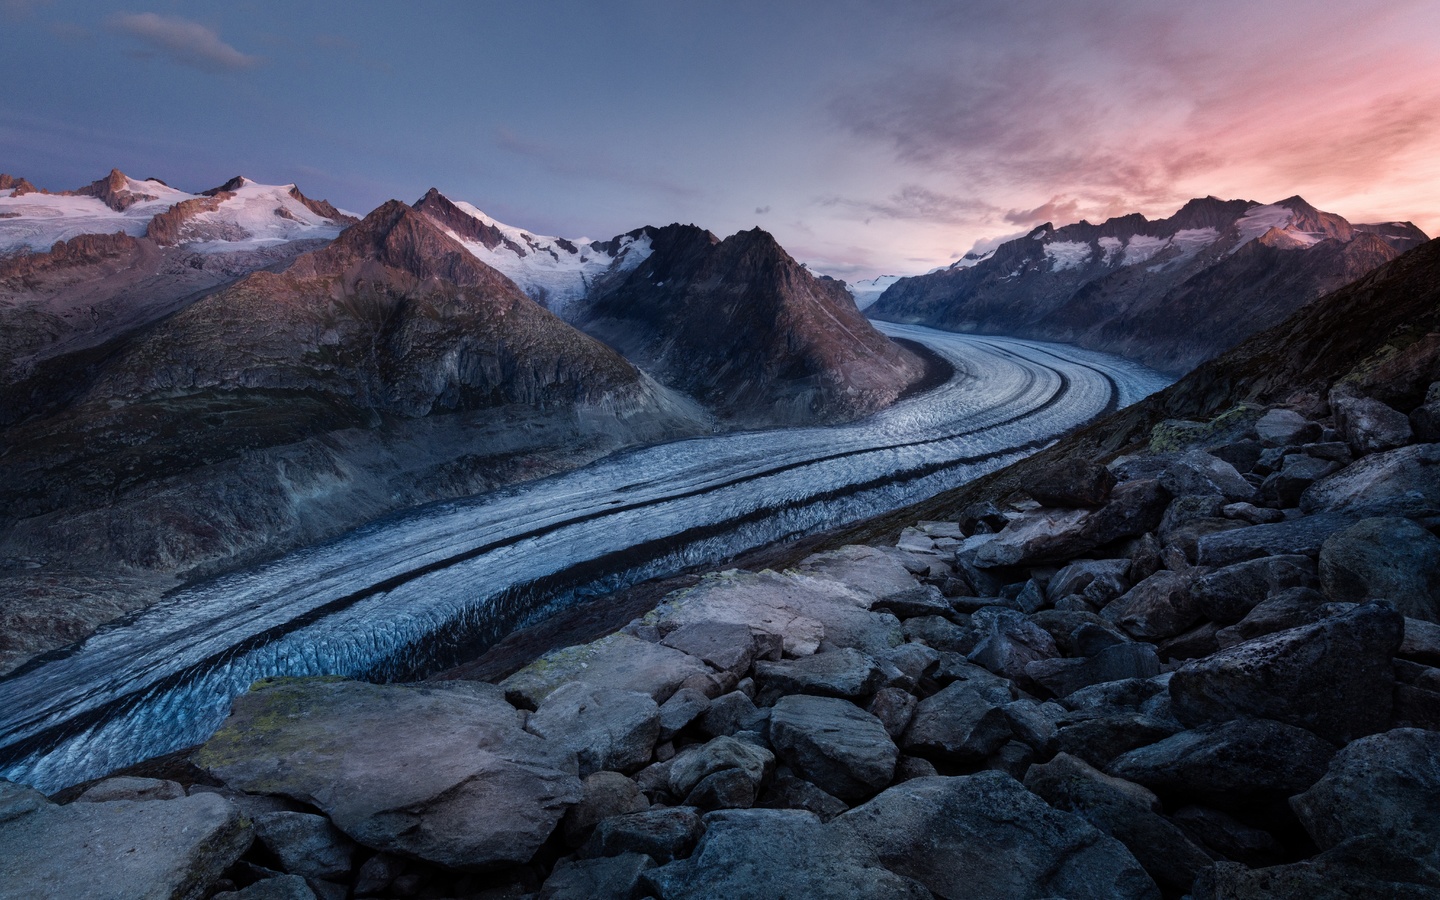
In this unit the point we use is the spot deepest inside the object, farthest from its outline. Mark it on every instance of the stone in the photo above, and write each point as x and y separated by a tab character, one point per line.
683	707
873	574
764	853
1370	426
923	601
1135	507
661	834
1197	472
1197	642
1146	557
1114	663
910	767
1227	595
984	835
1380	484
940	634
1251	514
1393	867
789	792
125	787
1242	454
837	746
617	662
1186	509
605	728
915	661
1090	639
1129	693
604	794
1063	624
478	790
1159	607
1071	482
728	714
585	879
694	764
1227	836
914	540
1302	536
1376	785
1421	642
1078	575
142	849
728	646
955	668
1384	558
837	673
1033	723
1098	736
894	708
1333	677
725	789
1285	487
802	611
1008	642
1284	427
280	887
1125	811
306	844
959	724
1242	761
1287	609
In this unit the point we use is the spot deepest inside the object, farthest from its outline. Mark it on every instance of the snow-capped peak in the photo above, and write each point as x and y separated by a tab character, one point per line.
866	292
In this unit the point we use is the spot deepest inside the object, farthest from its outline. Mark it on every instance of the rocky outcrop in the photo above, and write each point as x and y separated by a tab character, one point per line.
1171	293
115	191
741	326
166	228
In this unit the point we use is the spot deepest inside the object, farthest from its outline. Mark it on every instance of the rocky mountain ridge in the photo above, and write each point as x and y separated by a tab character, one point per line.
1171	293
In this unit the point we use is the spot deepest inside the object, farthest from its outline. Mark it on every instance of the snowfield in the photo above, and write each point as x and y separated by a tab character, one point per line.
405	596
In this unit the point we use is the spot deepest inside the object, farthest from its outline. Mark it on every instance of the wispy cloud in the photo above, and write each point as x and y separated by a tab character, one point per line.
182	41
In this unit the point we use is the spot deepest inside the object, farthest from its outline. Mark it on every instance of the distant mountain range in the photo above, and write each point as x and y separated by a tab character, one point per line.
1171	293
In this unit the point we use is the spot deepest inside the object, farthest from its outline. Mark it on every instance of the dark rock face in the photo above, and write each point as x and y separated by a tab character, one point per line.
841	748
1384	559
1377	785
1236	761
742	327
1333	677
1100	286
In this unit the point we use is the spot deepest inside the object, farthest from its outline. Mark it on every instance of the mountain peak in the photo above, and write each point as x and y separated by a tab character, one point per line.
399	237
228	187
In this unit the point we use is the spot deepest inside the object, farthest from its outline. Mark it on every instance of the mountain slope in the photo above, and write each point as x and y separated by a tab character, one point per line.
742	327
1170	293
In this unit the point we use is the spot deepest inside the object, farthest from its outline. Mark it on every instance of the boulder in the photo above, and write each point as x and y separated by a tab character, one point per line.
604	794
1421	643
1376	785
1063	677
1135	507
836	745
619	662
1071	482
661	834
758	854
1197	472
837	673
1302	536
696	764
894	708
1333	677
984	835
586	879
684	706
1370	426
789	792
306	844
1384	558
940	634
478	790
142	849
1227	836
280	887
1285	487
1251	514
727	646
1381	484
1285	610
1394	867
605	728
1080	574
874	574
1242	761
962	723
1125	811
1227	594
1285	427
730	713
125	787
1008	642
922	601
1100	735
1159	607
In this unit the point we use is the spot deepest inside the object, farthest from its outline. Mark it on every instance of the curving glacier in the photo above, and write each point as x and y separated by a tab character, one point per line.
415	592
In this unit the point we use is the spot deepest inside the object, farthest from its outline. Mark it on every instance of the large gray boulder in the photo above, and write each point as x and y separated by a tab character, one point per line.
695	765
1370	426
1125	811
837	673
984	835
305	844
1387	559
727	646
761	854
587	879
1008	642
1334	677
1396	867
477	790
1285	427
661	834
1381	484
1302	536
1379	784
618	661
605	728
1237	761
1159	607
126	787
138	850
837	746
962	724
1197	472
1227	594
1049	535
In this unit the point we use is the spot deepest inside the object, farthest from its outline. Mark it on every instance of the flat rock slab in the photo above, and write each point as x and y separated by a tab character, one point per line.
138	850
1303	536
1233	761
985	835
1379	481
606	728
837	673
440	773
834	744
875	574
801	610
617	661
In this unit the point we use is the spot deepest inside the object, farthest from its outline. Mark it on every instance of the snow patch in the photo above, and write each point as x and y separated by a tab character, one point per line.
1068	254
868	291
1140	248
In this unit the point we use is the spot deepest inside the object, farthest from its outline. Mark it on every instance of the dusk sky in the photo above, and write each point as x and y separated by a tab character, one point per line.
870	138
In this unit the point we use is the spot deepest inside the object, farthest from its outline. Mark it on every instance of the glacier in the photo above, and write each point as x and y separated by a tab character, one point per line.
417	592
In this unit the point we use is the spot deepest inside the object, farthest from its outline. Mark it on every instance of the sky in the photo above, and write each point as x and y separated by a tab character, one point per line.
869	137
